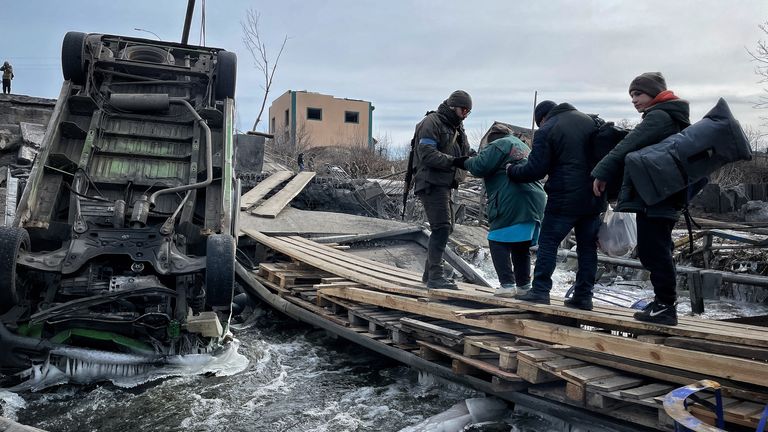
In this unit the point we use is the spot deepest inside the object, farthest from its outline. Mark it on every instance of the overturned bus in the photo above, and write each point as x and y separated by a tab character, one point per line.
122	250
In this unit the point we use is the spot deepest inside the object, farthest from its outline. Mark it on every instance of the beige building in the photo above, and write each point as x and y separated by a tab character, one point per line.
304	119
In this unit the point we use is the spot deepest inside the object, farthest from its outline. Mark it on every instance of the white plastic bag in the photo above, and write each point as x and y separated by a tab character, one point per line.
618	233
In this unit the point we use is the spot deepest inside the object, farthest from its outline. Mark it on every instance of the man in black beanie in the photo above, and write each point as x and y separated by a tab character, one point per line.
560	151
440	147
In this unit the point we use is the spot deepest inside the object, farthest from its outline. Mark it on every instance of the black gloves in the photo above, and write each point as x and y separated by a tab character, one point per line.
459	161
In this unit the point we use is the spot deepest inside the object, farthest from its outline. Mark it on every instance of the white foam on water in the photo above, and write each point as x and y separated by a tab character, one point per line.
11	403
84	366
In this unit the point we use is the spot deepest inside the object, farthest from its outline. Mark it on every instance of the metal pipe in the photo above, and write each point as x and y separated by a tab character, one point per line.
755	280
188	21
208	156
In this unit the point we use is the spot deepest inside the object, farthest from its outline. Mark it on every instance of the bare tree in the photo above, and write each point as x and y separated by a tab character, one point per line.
760	56
258	50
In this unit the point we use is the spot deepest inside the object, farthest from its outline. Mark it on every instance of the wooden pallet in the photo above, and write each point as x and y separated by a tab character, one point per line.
503	349
463	365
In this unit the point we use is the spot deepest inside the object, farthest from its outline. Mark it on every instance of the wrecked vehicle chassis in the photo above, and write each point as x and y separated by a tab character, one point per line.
124	238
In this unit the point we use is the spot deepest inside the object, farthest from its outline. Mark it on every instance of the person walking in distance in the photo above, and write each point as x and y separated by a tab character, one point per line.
560	151
440	147
515	210
663	114
7	70
300	162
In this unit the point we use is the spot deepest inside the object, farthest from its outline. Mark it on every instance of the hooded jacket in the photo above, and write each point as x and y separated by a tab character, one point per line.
659	121
438	139
509	203
560	151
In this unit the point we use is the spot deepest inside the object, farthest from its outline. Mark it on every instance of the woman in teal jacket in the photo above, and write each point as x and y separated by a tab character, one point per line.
514	210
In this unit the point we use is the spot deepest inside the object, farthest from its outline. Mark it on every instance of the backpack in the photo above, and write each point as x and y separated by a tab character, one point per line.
605	137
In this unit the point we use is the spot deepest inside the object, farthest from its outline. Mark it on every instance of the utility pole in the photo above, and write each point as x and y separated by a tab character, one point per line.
188	21
533	117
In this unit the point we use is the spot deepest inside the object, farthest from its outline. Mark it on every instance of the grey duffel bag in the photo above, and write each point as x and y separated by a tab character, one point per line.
660	170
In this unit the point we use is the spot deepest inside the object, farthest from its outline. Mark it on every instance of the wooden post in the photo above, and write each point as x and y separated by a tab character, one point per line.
707	250
694	288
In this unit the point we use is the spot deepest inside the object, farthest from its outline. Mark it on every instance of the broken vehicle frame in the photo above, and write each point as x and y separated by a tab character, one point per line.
124	238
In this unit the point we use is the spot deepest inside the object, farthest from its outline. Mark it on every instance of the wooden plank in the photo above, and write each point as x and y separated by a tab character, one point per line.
562	364
317	310
710	364
588	373
330	280
718	348
646	391
576	393
744	410
538	356
474	313
613	383
431	328
274	205
262	189
531	372
651	338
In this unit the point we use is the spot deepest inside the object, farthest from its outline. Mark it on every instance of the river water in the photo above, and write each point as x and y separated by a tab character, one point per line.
298	379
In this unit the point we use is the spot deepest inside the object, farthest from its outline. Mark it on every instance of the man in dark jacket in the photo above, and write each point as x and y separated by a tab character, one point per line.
440	146
560	151
664	114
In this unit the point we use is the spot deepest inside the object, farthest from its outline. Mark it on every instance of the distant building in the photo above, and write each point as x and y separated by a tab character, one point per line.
303	119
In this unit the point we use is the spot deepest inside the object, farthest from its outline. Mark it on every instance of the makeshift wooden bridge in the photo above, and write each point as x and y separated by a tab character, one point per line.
601	360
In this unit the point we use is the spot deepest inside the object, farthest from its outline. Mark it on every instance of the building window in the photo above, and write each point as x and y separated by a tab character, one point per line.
351	117
287	119
315	114
272	128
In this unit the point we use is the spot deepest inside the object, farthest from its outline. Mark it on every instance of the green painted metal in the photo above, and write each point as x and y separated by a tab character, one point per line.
90	139
174	329
293	117
130	343
34	331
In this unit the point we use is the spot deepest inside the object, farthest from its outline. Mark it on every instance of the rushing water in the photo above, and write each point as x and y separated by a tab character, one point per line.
298	379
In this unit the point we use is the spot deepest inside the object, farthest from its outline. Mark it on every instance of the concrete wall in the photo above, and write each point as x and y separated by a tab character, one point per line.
332	129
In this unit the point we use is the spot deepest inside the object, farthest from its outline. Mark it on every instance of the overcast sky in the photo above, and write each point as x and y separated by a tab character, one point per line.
407	56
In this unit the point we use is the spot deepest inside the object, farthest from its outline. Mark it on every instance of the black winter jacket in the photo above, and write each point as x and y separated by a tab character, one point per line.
439	138
659	121
560	150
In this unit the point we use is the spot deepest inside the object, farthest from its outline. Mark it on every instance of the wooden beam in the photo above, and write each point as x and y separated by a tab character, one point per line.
274	205
262	189
737	369
622	317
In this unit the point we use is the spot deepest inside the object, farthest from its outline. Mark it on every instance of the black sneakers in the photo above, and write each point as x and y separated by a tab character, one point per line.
533	297
658	313
583	303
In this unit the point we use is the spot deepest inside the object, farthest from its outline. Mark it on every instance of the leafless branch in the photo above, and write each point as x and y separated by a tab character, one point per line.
258	49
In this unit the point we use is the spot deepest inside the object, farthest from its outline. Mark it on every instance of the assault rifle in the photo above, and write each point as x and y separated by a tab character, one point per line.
408	177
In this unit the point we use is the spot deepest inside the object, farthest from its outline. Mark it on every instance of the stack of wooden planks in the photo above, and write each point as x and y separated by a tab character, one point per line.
601	360
271	207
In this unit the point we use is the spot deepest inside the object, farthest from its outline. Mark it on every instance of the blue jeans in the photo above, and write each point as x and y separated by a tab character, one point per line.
554	228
